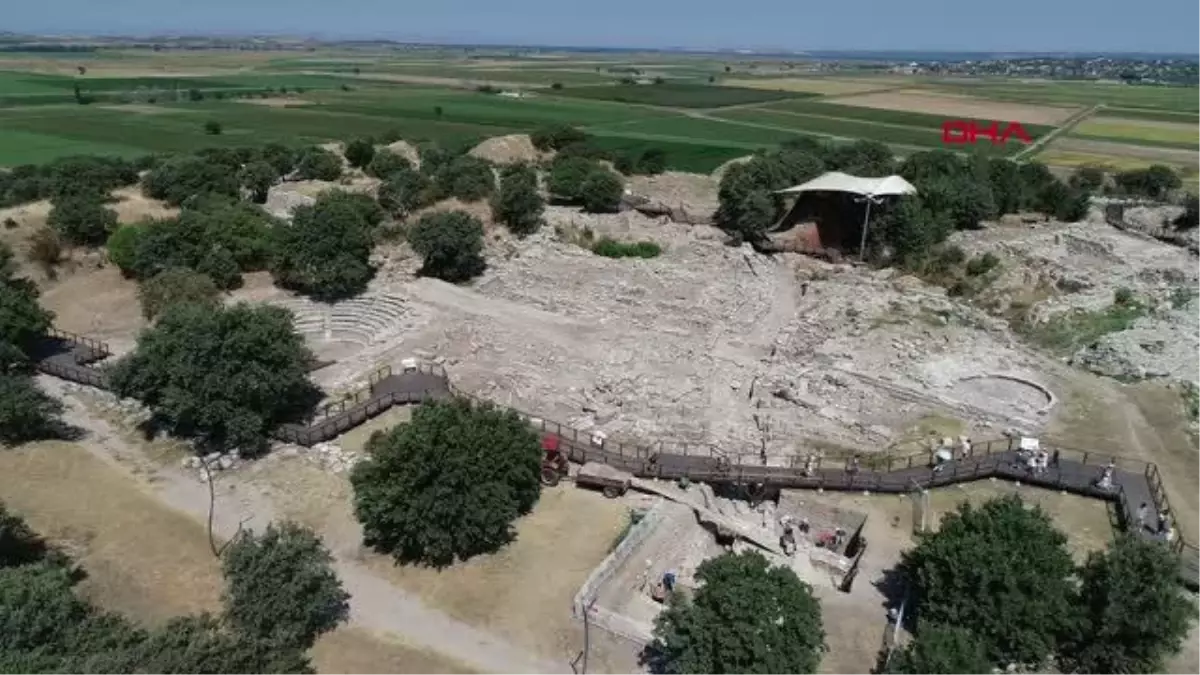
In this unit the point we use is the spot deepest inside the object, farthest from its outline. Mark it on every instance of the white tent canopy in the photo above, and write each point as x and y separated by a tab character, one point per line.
836	181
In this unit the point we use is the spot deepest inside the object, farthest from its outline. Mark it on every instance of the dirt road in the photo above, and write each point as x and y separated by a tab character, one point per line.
374	604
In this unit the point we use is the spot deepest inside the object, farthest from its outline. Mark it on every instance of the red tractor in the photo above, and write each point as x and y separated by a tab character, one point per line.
554	463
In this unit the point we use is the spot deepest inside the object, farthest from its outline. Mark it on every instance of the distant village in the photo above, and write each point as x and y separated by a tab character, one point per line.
1133	71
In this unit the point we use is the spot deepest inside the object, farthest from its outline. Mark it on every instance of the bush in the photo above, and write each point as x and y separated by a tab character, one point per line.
281	586
601	192
123	245
22	320
566	177
556	137
82	219
326	251
212	128
1153	182
746	616
610	248
1123	296
46	249
318	164
1088	179
404	191
360	152
26	412
983	264
385	163
176	285
467	178
224	376
1190	217
281	158
177	180
491	456
258	176
451	244
518	204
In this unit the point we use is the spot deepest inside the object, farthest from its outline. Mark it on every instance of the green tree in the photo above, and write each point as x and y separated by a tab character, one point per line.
1000	569
212	128
219	264
177	180
921	168
281	158
281	586
22	320
360	152
1153	182
258	177
652	161
491	456
82	220
175	285
26	413
1088	179
315	163
601	192
326	251
518	204
1004	176
757	215
404	191
566	177
1135	615
556	137
385	163
862	158
964	201
747	617
942	649
38	610
450	244
225	376
467	178
243	229
19	545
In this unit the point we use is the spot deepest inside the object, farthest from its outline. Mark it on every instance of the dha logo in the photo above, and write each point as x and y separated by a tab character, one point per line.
958	132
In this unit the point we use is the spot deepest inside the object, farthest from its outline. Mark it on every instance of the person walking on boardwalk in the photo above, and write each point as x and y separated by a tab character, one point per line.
1142	512
1054	458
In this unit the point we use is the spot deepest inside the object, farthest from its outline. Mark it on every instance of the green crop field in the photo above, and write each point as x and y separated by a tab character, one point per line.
1151	115
677	95
1152	133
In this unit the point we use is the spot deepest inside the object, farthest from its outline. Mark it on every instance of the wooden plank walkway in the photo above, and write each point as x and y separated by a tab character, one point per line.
1133	483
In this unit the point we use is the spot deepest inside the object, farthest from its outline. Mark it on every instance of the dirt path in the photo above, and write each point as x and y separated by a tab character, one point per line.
374	604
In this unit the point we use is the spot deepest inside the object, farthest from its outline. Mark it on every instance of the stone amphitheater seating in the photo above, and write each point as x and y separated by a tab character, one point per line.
359	320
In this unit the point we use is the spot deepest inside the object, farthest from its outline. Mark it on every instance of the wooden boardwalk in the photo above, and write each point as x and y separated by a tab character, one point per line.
1133	483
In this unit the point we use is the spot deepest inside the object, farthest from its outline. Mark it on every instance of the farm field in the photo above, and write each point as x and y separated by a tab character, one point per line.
1178	99
678	95
1146	132
824	86
961	107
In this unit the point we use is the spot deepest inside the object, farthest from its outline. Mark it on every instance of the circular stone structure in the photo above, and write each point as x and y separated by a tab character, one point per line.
1005	392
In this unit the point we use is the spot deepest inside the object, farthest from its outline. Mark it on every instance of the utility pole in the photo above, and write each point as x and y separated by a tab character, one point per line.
862	247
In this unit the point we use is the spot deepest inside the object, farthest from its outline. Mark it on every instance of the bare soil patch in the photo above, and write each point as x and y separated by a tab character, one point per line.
1126	150
511	149
957	106
142	558
405	150
99	303
143	109
276	101
132	205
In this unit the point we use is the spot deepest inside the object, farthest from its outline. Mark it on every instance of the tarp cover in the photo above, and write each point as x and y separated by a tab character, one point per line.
836	181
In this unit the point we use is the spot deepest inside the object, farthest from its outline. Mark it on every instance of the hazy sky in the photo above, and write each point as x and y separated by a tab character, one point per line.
961	25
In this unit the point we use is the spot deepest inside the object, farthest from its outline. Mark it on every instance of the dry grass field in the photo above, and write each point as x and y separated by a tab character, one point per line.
1131	131
957	106
816	85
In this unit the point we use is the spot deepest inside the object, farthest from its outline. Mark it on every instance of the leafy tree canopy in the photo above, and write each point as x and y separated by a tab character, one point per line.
556	137
179	179
942	649
258	177
1001	569
465	177
281	586
360	152
325	252
451	245
318	164
746	617
82	219
385	163
567	175
404	191
1153	182
19	545
22	320
1135	616
176	285
518	204
601	192
490	456
26	412
226	376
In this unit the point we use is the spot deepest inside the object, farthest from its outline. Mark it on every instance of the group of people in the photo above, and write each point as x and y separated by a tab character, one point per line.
1161	526
1037	461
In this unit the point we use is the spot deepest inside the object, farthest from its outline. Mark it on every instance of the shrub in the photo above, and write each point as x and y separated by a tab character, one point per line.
318	164
182	178
258	176
451	244
467	178
556	137
518	204
385	163
983	264
82	219
567	175
176	285
122	247
1123	296
212	128
26	412
46	249
491	455
610	248
404	191
360	152
601	192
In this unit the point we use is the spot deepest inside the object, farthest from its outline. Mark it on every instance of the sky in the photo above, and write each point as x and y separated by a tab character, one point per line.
1157	26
